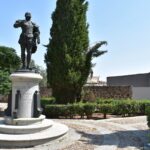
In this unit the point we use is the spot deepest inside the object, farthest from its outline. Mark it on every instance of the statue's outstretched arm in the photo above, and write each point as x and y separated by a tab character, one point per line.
18	23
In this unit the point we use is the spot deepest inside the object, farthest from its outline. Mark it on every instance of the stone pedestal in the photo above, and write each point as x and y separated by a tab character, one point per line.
24	86
23	125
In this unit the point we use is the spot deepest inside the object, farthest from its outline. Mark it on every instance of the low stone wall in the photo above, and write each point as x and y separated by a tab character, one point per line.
117	92
3	98
45	92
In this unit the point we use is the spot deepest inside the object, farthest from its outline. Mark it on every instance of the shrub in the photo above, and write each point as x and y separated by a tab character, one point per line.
79	109
69	110
142	106
105	109
120	109
89	109
64	111
126	107
52	111
148	115
47	100
72	110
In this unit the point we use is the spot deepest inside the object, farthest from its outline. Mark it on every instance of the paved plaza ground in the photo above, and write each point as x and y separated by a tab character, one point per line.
110	134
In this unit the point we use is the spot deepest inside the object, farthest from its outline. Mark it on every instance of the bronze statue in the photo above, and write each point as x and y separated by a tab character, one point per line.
29	38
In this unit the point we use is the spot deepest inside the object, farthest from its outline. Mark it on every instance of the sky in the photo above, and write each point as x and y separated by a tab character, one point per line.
124	24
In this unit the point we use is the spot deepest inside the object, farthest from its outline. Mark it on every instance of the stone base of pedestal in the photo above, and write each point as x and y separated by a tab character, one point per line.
32	128
23	121
23	136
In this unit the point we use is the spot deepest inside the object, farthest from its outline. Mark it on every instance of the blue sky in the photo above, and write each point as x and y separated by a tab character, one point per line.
125	24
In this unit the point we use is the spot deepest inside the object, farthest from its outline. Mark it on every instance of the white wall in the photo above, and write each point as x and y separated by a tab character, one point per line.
141	93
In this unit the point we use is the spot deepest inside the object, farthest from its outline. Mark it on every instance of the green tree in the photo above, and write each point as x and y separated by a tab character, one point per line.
5	84
68	57
9	61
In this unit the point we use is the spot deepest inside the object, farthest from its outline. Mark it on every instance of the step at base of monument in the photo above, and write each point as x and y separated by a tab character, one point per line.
23	121
33	139
26	129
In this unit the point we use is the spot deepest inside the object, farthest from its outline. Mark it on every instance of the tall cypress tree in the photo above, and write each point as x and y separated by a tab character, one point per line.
68	56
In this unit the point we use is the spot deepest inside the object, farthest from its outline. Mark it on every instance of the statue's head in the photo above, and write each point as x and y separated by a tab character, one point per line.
28	16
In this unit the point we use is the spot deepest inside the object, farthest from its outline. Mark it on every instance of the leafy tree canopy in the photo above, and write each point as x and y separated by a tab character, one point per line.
9	59
5	84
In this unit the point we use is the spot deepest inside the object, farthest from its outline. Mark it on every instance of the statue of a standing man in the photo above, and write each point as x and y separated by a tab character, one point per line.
28	39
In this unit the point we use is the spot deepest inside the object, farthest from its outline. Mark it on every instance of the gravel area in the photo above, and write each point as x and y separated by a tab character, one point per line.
79	146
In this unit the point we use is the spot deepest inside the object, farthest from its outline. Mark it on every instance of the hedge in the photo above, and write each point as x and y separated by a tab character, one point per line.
115	107
47	100
105	109
69	110
148	115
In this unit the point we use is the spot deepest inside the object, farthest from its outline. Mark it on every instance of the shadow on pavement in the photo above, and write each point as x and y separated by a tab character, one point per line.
134	138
